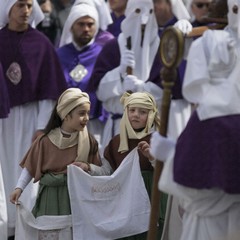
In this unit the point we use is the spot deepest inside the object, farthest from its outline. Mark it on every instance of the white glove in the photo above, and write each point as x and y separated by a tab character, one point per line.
161	147
183	25
132	83
127	60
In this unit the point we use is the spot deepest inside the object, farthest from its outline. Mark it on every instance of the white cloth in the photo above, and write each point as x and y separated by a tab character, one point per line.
109	207
104	170
3	208
103	11
208	214
131	27
16	134
42	228
24	179
179	114
212	77
180	10
35	18
234	18
161	147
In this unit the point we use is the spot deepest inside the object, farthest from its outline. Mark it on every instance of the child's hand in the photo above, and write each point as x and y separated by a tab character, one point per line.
144	147
83	165
15	195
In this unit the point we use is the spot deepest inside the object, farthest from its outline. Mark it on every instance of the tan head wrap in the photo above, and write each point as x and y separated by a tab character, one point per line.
70	99
141	100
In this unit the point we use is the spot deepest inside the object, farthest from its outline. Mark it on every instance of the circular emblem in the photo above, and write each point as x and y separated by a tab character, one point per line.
14	73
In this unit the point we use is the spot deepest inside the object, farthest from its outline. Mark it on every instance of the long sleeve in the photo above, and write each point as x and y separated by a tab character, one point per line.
24	179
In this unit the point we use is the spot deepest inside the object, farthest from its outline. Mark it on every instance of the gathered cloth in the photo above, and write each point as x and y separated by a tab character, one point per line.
115	159
42	228
109	207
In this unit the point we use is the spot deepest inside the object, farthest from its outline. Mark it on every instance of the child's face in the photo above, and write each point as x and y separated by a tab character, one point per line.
78	118
137	117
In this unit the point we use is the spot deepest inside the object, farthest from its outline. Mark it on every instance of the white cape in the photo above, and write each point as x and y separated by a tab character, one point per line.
109	207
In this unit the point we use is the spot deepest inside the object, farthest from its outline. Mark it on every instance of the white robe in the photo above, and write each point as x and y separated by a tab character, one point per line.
209	214
3	209
16	133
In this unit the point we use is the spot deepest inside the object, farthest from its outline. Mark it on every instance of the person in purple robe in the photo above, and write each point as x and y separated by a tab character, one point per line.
81	42
4	98
118	14
202	167
33	81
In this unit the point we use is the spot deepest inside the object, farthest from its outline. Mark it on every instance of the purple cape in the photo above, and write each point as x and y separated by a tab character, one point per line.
115	27
208	154
4	99
70	57
42	76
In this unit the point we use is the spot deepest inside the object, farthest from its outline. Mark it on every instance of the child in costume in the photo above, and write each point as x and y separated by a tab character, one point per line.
140	119
66	141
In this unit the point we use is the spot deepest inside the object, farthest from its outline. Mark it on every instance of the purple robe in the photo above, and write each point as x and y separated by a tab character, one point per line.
70	57
208	154
4	99
42	76
115	27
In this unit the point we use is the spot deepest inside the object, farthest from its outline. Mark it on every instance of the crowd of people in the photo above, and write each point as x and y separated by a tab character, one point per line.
81	92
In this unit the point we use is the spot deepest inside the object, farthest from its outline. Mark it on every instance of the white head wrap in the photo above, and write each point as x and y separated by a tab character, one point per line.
131	27
179	10
234	18
36	16
78	11
103	11
141	100
70	99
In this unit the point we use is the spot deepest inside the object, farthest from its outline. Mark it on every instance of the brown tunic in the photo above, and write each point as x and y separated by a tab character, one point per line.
44	157
115	158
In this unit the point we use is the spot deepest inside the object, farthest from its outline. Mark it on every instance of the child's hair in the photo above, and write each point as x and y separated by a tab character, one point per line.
54	121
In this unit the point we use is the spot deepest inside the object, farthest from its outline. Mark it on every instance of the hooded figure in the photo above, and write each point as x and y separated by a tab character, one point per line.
202	167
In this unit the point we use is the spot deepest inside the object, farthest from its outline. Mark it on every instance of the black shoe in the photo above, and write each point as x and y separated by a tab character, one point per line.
11	238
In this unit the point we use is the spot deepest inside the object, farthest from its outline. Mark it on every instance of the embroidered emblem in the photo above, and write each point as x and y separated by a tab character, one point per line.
78	73
14	73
